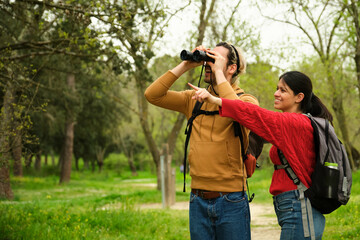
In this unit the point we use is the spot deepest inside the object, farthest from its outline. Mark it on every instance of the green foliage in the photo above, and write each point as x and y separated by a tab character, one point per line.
116	162
106	206
346	218
115	56
41	222
264	73
92	206
259	184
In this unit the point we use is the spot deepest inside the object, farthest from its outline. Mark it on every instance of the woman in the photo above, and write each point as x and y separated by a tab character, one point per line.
289	131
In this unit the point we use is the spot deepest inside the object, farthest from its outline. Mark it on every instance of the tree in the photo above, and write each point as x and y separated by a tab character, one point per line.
5	188
321	25
138	45
354	27
217	22
35	35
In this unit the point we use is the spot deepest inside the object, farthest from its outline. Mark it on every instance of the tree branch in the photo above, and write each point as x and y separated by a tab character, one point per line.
47	53
30	44
230	19
332	33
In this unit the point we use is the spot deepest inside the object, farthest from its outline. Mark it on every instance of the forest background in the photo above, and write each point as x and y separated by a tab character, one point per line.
73	75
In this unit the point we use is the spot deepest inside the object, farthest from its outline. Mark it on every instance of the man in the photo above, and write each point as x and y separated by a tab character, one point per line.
219	207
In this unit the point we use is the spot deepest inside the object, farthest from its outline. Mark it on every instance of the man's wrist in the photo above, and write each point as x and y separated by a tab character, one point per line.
180	69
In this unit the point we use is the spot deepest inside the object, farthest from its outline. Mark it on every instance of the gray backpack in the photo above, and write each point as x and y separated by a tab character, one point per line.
331	179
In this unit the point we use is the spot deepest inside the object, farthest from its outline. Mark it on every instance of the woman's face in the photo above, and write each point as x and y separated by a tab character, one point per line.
285	99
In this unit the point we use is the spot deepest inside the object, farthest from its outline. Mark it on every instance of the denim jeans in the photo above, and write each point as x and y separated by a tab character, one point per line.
288	210
226	217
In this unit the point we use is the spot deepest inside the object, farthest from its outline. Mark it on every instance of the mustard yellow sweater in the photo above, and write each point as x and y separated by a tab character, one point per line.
215	152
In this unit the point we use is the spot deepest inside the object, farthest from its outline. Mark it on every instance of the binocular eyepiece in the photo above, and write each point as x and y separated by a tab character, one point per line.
196	56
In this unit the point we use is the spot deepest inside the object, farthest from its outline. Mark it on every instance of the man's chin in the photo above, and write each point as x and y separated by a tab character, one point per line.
207	80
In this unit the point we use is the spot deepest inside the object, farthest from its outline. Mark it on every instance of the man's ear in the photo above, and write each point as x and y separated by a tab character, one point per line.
232	68
299	97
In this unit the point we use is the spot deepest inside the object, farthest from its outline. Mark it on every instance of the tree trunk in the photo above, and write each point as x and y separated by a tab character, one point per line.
353	8
17	151
77	164
204	19
143	106
38	161
100	152
69	136
175	132
5	154
338	107
100	164
52	158
28	160
66	160
86	164
341	118
129	153
93	165
131	163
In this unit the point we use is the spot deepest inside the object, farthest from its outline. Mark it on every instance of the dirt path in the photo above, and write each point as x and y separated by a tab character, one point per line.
264	224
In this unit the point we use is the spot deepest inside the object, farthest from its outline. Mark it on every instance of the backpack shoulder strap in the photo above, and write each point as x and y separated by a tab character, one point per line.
285	165
238	132
306	210
196	112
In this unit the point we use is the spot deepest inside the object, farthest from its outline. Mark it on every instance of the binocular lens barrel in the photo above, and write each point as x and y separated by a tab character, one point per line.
196	56
201	56
186	55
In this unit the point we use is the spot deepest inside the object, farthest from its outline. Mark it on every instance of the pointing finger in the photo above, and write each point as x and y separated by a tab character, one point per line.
193	87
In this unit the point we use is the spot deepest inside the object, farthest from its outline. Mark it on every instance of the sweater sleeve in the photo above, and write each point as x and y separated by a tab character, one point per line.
227	91
290	132
270	125
158	93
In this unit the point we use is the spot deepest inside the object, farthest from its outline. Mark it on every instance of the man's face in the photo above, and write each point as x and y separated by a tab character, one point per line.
209	75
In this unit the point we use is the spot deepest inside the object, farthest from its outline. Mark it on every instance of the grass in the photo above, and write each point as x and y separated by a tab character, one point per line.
105	206
344	223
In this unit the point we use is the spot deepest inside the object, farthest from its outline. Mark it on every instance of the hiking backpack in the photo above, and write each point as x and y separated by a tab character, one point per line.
331	179
249	155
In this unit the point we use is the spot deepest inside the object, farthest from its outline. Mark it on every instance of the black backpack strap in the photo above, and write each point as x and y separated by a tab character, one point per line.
238	133
285	165
196	112
188	129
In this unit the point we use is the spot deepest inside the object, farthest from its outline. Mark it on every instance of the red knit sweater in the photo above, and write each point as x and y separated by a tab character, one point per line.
292	133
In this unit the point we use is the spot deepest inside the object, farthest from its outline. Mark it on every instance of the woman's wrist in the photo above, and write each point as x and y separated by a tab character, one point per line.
220	77
216	100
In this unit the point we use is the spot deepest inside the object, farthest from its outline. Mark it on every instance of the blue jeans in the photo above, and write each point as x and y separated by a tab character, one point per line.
226	217
288	211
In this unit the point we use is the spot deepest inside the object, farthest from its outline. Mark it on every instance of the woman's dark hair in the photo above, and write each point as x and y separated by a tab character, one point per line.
300	83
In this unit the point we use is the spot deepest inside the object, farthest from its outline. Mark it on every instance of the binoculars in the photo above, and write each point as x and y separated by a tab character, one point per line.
196	56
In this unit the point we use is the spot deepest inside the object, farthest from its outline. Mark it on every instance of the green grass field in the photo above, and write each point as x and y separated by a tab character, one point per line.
105	206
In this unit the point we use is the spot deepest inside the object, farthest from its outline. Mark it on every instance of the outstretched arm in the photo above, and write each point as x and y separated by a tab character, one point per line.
269	125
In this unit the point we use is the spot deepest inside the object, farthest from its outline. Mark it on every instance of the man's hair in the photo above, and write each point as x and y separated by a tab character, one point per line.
235	56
